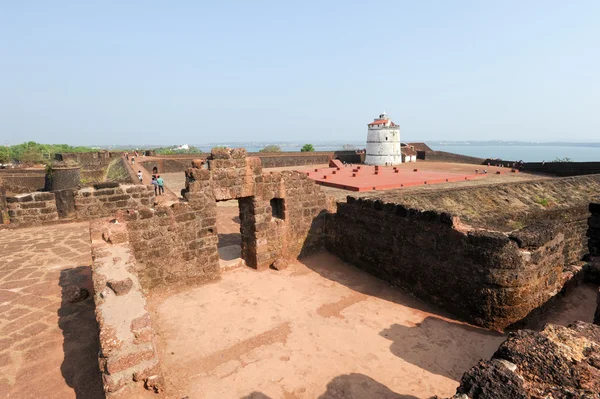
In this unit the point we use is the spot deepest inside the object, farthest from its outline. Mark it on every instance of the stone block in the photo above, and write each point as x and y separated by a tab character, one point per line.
116	364
120	287
31	205
104	192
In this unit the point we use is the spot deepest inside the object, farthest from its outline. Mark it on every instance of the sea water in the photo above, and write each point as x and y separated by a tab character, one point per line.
513	152
527	153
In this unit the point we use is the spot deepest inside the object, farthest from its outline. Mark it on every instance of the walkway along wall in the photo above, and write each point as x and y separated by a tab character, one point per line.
127	350
489	278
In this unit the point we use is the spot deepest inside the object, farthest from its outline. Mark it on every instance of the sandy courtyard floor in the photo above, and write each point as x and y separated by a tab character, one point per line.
320	328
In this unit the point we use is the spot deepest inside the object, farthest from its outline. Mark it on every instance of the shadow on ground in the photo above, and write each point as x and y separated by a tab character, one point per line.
442	347
350	386
438	344
226	240
80	331
365	283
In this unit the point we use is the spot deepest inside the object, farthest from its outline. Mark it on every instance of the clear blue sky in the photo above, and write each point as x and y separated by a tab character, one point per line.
127	72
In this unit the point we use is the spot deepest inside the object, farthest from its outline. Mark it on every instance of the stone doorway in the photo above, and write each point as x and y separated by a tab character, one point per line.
230	237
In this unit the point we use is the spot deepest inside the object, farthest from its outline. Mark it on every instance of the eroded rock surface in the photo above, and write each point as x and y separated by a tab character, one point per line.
557	362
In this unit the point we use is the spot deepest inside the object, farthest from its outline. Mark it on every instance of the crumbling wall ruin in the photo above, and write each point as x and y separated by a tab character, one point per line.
593	232
593	272
186	233
293	228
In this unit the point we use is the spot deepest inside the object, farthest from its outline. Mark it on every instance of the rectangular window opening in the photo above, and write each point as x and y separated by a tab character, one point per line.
277	208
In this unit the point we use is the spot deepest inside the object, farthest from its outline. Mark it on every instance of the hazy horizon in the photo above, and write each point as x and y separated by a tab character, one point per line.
87	73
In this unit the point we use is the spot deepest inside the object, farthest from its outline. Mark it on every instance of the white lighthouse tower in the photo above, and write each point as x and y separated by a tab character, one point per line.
383	142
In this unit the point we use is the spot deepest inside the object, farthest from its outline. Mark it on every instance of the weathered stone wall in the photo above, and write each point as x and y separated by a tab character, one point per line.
26	180
89	160
31	209
179	163
62	178
94	165
87	203
443	156
176	244
505	207
186	233
127	350
267	237
275	160
488	278
4	218
563	168
93	203
169	165
593	232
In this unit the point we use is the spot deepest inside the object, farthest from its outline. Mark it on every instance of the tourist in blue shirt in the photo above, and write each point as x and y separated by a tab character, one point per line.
161	185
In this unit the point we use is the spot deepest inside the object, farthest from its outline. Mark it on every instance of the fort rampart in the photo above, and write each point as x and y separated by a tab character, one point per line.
179	163
443	156
563	168
491	269
25	180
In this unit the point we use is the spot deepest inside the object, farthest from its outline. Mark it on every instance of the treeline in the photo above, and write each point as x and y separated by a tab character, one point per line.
36	153
276	148
173	151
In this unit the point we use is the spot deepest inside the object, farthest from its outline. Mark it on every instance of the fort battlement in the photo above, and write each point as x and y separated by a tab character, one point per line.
492	255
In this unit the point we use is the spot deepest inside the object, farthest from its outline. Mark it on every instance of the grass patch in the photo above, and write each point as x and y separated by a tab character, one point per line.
542	201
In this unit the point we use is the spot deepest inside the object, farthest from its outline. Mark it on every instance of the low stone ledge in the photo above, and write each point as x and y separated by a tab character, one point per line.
29	209
127	352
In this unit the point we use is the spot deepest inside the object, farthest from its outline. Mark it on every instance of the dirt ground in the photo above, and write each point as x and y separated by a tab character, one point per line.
322	329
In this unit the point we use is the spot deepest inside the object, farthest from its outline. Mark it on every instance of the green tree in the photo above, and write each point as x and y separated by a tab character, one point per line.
32	156
4	155
307	148
271	148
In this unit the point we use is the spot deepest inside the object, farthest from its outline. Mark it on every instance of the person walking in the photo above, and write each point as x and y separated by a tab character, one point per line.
161	185
139	175
155	184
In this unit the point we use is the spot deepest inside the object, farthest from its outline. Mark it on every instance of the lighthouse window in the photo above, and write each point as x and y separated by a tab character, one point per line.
386	139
